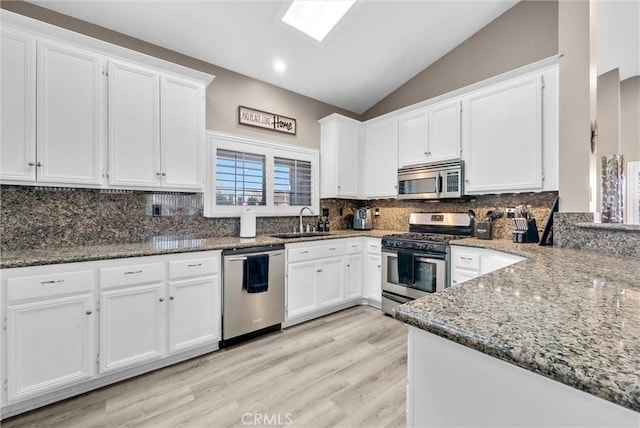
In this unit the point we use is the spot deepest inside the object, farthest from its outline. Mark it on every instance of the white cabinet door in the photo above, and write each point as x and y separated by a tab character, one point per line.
502	137
194	318
347	160
49	345
70	117
302	286
339	155
17	106
380	160
413	138
373	278
134	127
331	282
460	275
444	131
132	326
182	133
353	276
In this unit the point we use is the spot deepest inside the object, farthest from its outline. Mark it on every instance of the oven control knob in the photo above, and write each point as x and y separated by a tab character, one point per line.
430	247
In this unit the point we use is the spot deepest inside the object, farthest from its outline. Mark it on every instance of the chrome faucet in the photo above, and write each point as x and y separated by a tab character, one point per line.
304	208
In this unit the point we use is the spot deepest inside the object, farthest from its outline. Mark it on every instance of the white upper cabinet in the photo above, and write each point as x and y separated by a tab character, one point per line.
182	133
156	129
79	112
17	106
429	134
502	137
380	160
339	162
70	114
444	131
65	92
134	126
412	138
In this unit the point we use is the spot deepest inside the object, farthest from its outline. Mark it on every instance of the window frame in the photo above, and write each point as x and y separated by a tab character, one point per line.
269	149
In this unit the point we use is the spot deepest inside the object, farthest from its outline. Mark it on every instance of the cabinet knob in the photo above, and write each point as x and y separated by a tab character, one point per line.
158	173
89	312
164	174
466	181
39	164
31	163
379	266
319	270
161	299
348	265
171	298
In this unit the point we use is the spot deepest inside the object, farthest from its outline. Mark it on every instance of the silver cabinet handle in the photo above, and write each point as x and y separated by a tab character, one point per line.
332	249
304	252
319	270
158	173
31	163
164	174
236	259
465	258
55	281
39	164
133	272
379	266
466	181
274	254
89	312
171	298
195	265
161	299
348	266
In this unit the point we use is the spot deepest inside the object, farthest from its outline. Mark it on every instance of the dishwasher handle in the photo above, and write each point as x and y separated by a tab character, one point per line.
235	259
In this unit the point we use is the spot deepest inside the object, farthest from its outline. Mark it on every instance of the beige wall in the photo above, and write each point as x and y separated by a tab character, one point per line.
225	93
608	114
630	118
524	34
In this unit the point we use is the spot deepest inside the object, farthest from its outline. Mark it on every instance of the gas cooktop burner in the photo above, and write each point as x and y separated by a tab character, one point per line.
424	237
431	231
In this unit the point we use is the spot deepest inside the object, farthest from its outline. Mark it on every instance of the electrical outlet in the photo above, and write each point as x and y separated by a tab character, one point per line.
376	212
511	212
156	210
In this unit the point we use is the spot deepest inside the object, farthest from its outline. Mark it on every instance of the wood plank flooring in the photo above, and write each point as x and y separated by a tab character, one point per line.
347	369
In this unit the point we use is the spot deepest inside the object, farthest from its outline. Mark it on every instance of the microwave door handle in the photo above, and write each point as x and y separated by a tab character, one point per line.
439	186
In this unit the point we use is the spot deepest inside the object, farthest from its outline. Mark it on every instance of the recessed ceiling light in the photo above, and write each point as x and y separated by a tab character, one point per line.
316	18
279	65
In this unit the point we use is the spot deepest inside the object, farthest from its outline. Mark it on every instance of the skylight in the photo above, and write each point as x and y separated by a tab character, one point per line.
316	18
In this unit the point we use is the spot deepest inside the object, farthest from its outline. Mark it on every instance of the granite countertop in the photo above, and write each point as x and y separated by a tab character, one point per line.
165	244
572	316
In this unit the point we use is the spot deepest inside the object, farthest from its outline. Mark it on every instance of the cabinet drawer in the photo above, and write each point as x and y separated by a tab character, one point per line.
131	275
374	246
354	247
314	253
193	267
466	260
49	285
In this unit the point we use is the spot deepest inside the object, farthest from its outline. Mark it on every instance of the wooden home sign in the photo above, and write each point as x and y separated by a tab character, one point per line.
264	120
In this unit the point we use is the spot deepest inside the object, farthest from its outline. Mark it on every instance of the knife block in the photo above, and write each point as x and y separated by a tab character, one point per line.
483	230
526	230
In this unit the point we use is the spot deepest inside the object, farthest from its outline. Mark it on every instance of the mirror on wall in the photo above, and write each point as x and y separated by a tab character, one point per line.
618	98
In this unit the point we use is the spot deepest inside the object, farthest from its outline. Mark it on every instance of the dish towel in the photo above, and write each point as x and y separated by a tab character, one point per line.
405	268
256	274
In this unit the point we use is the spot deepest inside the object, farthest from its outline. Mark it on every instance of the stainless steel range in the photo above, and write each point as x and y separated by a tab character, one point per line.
415	264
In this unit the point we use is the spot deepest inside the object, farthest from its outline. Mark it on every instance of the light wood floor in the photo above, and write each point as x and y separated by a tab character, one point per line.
347	369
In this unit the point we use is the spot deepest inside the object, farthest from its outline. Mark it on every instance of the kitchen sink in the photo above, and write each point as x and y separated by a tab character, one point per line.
300	235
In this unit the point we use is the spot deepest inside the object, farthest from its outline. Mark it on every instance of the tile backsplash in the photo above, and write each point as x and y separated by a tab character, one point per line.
42	217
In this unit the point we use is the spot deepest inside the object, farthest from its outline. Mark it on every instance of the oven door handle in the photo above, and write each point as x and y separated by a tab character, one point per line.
394	297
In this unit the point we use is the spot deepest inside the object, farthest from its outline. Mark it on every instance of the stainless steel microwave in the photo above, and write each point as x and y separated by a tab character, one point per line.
442	180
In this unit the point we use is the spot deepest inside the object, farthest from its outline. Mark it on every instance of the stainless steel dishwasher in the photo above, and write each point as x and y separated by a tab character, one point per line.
246	311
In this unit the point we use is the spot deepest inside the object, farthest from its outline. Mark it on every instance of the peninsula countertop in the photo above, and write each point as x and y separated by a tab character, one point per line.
165	244
572	316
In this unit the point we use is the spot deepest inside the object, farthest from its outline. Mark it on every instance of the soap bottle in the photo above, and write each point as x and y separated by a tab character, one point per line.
320	225
327	226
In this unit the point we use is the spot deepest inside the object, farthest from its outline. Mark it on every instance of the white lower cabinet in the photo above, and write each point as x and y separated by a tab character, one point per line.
50	330
373	271
194	317
469	262
328	275
153	311
49	345
132	328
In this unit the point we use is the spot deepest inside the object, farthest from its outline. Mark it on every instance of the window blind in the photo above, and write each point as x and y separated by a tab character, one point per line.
240	178
291	182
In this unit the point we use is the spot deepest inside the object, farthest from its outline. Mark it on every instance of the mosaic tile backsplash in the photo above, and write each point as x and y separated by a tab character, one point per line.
41	217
